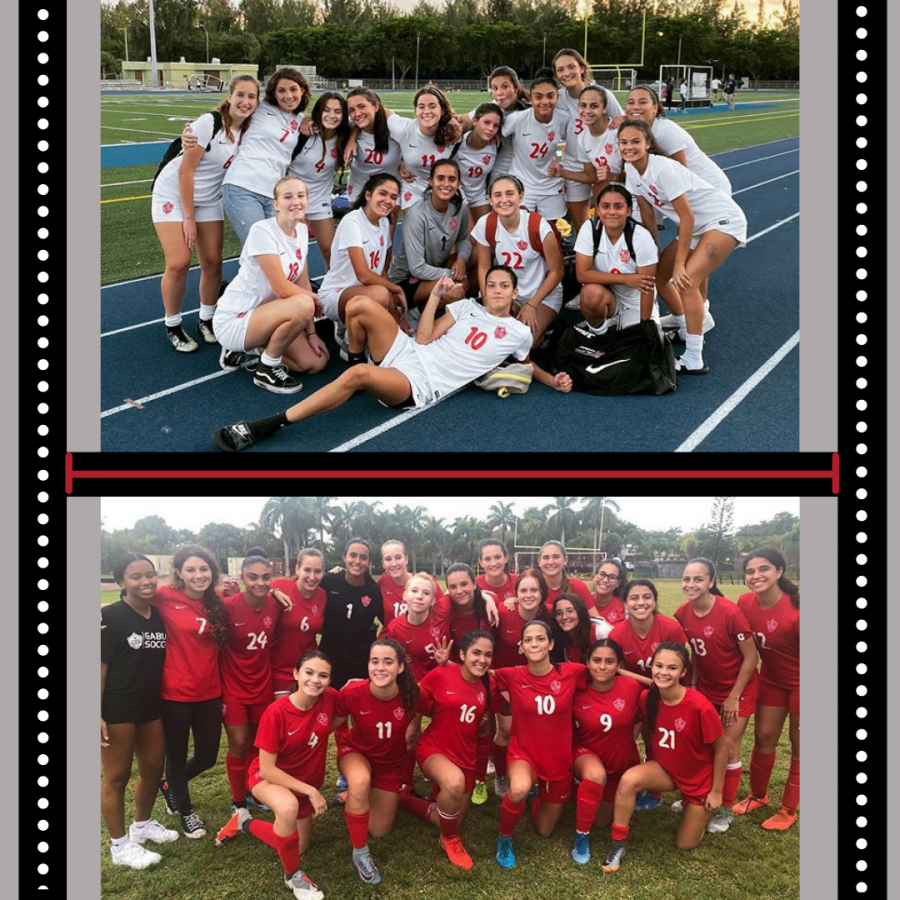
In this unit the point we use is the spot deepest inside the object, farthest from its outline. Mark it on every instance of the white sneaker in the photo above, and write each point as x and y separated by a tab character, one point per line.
501	785
152	831
600	329
720	821
677	806
134	856
708	321
303	888
668	321
574	303
490	767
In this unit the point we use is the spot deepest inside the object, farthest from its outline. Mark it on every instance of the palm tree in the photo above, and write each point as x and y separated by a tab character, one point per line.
280	515
467	530
594	513
533	526
435	533
561	513
325	512
502	516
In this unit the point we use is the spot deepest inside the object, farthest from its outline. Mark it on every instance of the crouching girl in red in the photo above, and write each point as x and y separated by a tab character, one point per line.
684	735
293	742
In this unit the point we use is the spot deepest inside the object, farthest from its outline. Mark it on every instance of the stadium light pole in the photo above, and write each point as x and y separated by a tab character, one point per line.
417	60
543	61
154	76
125	29
207	41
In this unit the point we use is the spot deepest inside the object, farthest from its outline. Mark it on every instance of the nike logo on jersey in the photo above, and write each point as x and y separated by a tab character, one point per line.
239	624
293	732
450	692
409	641
586	707
365	712
594	369
180	607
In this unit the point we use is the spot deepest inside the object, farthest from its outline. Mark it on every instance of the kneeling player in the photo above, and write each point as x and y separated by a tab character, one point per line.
465	343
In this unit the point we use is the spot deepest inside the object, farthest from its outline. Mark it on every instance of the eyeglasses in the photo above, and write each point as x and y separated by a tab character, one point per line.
602	576
564	613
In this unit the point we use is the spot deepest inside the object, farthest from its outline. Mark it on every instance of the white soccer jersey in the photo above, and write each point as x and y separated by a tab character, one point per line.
476	343
250	287
671	138
569	105
534	149
514	249
616	258
355	230
265	150
210	171
505	154
369	161
664	180
475	170
602	150
419	153
316	171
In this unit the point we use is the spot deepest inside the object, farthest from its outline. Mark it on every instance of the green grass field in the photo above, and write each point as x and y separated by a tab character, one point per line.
746	862
130	248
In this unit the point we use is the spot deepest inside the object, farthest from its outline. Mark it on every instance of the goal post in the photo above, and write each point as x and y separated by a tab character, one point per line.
206	83
614	78
698	80
582	563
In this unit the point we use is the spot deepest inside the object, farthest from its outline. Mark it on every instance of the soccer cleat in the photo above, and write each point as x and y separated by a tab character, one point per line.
276	379
490	767
341	783
614	857
234	826
179	339
232	360
205	331
339	799
193	826
720	822
455	851
749	803
505	856
677	806
480	794
152	831
134	856
501	785
581	849
168	797
574	303
781	821
302	887
250	800
646	800
682	369
366	868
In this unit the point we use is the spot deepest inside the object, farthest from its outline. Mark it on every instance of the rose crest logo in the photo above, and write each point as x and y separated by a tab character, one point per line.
366	600
334	152
299	253
480	697
499	332
294	125
453	224
619	704
680	724
709	631
654	645
522	245
653	188
435	632
551	135
315	610
624	256
440	149
399	712
408	195
322	718
168	207
381	240
555	686
267	621
608	148
772	624
486	158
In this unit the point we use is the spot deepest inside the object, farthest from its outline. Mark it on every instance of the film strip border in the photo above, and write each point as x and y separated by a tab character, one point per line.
863	438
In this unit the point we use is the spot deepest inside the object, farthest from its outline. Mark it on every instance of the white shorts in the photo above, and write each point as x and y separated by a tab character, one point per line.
577	191
554	299
330	301
319	202
163	209
550	206
231	329
404	357
734	223
480	199
628	314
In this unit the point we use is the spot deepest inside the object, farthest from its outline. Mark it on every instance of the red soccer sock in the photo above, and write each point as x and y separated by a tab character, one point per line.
236	768
415	805
288	847
732	783
358	826
449	824
510	813
761	765
790	800
482	754
590	795
619	832
500	760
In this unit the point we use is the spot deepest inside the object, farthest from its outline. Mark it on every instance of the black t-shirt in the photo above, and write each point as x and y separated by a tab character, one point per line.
349	625
134	649
730	87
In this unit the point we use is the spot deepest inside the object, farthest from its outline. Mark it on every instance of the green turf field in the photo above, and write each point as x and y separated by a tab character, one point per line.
130	248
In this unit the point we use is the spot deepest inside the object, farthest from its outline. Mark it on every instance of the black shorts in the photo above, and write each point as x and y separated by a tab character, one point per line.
410	285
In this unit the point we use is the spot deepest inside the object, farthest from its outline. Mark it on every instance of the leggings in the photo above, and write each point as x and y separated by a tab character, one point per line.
204	719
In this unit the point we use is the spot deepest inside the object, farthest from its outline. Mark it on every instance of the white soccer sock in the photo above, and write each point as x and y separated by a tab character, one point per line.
693	353
207	311
172	321
119	843
272	361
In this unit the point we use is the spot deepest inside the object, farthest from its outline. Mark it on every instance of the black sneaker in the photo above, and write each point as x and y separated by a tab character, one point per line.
205	331
682	369
168	797
276	379
180	340
234	437
232	360
193	826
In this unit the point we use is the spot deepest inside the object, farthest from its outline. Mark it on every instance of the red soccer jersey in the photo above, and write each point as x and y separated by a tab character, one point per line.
542	715
456	707
506	590
299	738
777	633
604	723
682	741
246	668
394	604
379	726
639	651
460	623
715	638
191	670
575	587
509	632
297	630
573	651
612	613
419	640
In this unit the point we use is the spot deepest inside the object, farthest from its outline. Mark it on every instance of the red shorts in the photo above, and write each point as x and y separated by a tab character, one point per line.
746	703
282	685
468	774
776	695
612	778
237	712
557	791
384	777
695	801
305	808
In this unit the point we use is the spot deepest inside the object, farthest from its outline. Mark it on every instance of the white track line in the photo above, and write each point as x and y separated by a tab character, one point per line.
724	168
740	394
769	181
148	180
165	393
184	312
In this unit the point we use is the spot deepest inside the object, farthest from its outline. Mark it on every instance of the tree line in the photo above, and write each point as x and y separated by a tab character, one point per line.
457	38
288	524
